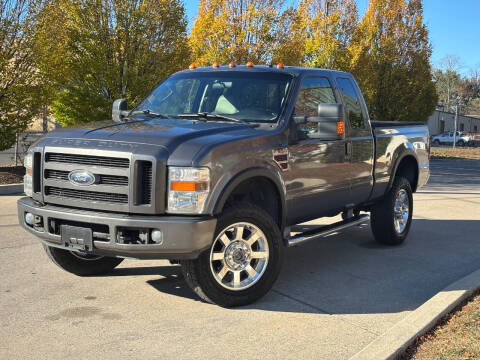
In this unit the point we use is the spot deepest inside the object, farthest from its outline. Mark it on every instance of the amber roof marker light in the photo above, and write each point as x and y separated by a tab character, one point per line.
249	64
192	66
280	65
232	64
216	64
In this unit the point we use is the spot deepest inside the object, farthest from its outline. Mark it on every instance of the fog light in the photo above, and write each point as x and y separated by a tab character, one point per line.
29	218
157	237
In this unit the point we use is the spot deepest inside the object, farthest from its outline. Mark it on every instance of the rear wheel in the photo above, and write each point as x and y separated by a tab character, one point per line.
392	216
243	262
81	264
436	142
461	143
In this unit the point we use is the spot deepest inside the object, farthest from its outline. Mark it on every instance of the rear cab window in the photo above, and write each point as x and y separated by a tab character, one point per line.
351	100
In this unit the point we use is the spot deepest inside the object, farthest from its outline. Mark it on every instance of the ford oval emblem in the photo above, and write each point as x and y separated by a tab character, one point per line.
81	177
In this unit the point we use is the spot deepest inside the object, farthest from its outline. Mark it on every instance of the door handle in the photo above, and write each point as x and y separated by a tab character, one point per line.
348	149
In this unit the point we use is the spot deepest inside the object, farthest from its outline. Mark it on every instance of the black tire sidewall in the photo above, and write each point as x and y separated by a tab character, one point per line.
219	295
383	215
75	265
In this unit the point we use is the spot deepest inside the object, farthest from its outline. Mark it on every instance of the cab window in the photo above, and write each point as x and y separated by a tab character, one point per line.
352	103
313	91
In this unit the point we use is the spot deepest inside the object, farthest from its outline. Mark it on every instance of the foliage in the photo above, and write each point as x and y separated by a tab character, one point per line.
453	88
390	59
319	33
20	91
96	51
77	56
238	30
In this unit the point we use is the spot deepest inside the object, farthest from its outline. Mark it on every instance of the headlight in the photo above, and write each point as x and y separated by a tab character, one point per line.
27	179
188	189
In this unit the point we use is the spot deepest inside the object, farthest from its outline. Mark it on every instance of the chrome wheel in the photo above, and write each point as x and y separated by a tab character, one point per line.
239	256
401	211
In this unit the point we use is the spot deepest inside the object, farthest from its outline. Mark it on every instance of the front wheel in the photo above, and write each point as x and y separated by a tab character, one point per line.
392	216
243	262
461	143
81	264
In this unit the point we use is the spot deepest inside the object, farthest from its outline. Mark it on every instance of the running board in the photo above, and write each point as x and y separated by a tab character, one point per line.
326	230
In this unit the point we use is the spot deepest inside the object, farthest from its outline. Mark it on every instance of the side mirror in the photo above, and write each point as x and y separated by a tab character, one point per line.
331	122
300	119
119	110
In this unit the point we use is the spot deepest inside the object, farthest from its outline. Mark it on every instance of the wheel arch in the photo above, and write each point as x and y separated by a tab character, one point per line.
407	166
256	183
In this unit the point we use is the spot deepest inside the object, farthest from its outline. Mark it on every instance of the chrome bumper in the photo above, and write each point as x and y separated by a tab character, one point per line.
183	237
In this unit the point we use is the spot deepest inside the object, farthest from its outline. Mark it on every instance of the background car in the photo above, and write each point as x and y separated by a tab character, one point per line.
461	139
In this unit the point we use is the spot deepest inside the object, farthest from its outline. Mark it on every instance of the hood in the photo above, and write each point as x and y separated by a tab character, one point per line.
167	133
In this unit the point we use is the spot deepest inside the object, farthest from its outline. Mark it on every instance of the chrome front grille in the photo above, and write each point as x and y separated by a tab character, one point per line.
124	182
110	191
86	195
92	160
102	179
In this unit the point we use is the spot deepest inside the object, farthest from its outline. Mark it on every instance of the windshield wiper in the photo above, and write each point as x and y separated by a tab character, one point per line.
149	113
206	116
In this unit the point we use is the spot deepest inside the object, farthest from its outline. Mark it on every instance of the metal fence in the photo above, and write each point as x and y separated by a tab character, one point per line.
16	154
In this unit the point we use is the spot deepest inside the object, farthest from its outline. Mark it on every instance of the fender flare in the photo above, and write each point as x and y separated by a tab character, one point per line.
397	163
248	174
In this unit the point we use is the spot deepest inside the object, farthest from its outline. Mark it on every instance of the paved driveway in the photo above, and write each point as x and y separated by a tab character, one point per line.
333	297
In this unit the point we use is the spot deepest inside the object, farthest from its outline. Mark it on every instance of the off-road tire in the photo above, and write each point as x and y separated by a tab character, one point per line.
81	267
198	274
382	215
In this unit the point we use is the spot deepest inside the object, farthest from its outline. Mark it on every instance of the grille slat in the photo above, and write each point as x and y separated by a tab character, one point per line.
147	183
86	195
88	160
103	179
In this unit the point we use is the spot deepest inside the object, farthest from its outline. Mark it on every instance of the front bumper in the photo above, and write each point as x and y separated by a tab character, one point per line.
183	237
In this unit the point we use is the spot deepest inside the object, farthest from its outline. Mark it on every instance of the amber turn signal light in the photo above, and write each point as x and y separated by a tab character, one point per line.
340	127
215	64
188	186
280	66
249	64
232	64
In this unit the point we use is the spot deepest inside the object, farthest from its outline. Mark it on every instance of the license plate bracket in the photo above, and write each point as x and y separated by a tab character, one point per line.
77	238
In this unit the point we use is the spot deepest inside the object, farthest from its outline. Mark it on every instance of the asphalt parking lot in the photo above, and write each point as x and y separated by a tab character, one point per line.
333	298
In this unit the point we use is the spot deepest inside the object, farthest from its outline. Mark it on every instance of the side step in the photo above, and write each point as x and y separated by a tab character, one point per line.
323	231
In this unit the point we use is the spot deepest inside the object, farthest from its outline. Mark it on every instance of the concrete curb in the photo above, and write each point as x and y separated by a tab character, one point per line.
395	341
11	189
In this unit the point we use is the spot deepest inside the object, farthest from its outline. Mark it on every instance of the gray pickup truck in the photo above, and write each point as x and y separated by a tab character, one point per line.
214	168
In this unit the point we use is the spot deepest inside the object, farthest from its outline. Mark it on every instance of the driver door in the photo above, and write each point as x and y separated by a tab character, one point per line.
318	180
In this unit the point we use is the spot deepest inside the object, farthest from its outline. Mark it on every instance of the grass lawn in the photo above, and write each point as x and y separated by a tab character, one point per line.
458	152
457	336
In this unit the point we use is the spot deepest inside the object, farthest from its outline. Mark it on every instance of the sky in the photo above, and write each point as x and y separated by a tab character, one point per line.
454	28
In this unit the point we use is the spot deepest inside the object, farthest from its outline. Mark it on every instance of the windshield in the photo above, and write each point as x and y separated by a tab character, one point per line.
252	97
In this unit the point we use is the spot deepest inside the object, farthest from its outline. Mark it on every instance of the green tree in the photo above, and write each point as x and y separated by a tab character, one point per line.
20	95
96	51
391	61
239	30
331	27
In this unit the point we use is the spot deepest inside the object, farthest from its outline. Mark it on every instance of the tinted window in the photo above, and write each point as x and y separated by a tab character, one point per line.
314	91
352	103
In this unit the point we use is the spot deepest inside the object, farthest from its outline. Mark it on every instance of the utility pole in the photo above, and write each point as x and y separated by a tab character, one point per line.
455	126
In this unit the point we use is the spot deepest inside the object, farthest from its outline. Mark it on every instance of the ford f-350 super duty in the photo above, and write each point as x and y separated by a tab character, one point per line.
213	169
